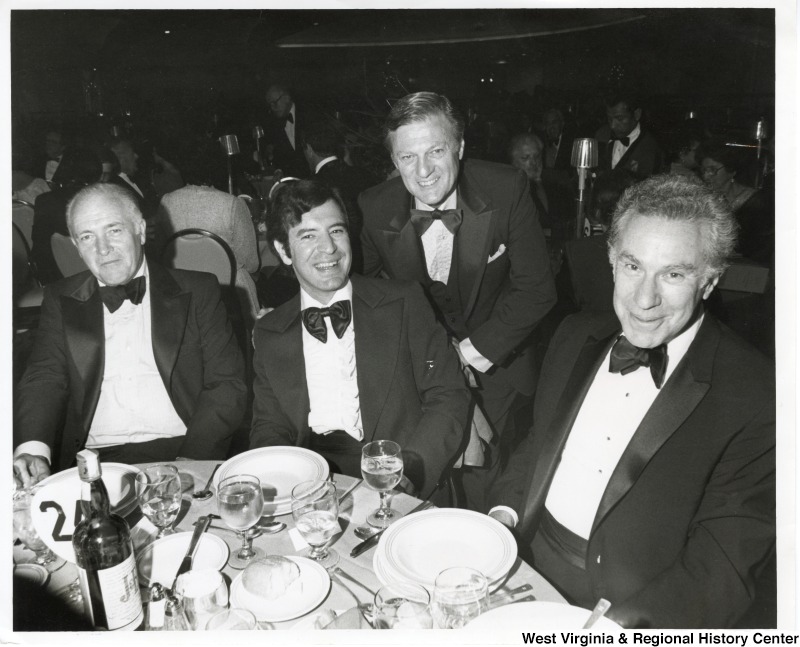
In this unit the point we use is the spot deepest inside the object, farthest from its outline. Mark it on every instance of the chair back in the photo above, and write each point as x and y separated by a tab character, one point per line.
198	249
22	217
66	255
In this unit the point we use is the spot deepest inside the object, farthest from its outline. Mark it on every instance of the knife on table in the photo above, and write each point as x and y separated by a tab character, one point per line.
372	541
186	564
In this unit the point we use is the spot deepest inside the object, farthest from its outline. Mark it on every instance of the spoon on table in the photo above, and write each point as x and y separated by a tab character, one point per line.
365	532
206	493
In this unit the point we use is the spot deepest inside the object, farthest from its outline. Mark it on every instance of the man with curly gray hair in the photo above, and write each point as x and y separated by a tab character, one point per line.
649	477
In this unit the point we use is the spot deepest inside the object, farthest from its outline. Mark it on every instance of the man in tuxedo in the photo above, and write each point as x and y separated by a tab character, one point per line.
283	133
558	141
321	144
132	359
649	475
625	143
352	360
129	177
470	235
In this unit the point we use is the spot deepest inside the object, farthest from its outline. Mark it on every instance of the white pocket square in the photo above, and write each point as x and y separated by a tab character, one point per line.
500	251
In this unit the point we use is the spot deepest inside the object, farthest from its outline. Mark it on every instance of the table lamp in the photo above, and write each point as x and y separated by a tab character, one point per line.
584	157
230	146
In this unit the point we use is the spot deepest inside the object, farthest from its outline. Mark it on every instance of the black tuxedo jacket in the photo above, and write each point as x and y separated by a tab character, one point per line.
643	158
194	347
410	386
687	520
285	157
504	277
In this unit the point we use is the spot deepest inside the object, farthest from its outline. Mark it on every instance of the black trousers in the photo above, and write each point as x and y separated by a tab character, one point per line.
341	450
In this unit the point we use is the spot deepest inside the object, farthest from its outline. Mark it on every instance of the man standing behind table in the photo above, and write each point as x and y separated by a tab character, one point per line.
469	234
132	359
284	132
372	364
649	476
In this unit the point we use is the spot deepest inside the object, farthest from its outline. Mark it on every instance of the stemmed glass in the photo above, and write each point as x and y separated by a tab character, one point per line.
241	502
315	510
460	595
382	469
158	490
25	530
402	605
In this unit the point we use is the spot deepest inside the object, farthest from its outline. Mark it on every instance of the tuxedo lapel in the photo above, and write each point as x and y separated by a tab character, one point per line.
169	310
681	394
85	341
402	243
630	150
473	240
588	361
377	327
287	372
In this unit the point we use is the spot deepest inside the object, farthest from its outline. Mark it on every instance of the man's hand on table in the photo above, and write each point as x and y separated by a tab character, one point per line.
30	469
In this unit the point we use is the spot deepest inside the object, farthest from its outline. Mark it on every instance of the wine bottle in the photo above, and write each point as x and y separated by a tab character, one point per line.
104	554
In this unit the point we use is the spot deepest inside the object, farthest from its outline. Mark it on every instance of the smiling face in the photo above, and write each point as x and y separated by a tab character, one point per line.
660	279
319	251
427	157
109	238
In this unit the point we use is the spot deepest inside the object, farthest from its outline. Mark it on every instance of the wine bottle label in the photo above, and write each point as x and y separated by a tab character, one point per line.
119	589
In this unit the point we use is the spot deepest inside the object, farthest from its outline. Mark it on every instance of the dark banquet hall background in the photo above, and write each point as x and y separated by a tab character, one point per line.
164	78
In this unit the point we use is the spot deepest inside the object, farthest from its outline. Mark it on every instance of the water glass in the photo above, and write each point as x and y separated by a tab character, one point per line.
203	593
460	594
382	469
241	502
26	532
315	510
402	605
158	490
233	619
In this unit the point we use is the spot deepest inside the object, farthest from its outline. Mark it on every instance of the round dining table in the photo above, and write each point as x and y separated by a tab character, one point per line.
353	580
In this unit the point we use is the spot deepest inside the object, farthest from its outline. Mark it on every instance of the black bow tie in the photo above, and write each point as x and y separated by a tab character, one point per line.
626	358
421	220
114	295
339	314
625	141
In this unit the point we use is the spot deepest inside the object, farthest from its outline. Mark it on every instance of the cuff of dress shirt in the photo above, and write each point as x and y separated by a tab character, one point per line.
507	510
475	359
34	448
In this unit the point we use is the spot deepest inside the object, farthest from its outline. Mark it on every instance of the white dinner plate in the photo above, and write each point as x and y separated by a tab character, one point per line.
279	469
316	584
536	616
35	573
159	561
418	547
62	492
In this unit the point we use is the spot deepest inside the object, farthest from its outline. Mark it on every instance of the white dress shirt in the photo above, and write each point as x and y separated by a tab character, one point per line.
612	411
437	243
331	375
134	405
131	183
620	149
51	167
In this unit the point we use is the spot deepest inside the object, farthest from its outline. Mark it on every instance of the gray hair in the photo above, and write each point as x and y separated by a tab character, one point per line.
113	193
418	107
684	199
524	138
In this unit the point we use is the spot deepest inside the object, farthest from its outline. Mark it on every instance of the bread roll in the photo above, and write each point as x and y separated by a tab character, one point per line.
271	577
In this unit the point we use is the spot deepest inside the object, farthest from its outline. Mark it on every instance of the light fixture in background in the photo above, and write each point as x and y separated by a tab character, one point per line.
230	146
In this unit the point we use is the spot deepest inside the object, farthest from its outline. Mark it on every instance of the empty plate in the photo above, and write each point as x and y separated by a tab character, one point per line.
279	469
159	561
